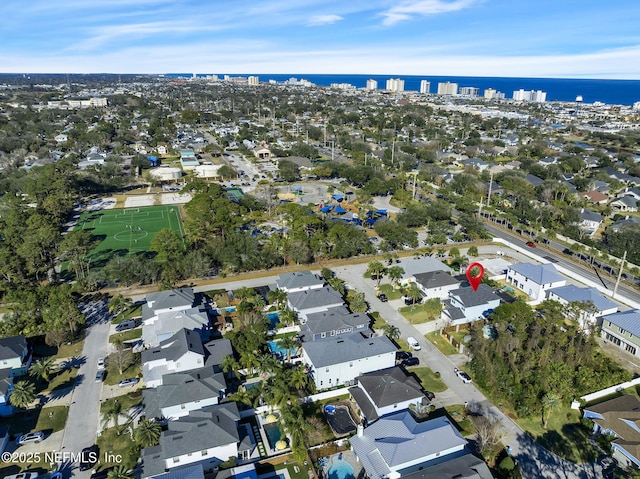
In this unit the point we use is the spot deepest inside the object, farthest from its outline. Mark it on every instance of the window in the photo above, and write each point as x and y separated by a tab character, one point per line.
630	349
205	453
323	335
176	460
182	406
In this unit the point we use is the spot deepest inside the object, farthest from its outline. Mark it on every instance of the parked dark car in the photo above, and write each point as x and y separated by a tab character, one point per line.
402	355
383	297
89	457
409	301
410	362
430	396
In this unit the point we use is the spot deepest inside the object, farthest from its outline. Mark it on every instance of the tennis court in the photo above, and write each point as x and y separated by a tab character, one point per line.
129	230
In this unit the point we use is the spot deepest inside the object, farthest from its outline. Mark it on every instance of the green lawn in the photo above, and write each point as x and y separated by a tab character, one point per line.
120	447
131	313
428	379
390	291
129	400
442	344
564	435
50	419
419	313
126	335
127	231
114	376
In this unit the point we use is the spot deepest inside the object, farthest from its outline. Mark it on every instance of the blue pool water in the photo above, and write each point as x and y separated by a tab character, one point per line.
274	319
273	434
230	309
341	469
281	353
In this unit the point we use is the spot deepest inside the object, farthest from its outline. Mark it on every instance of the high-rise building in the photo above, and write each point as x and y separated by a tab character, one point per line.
425	86
395	84
447	88
489	94
372	84
537	96
469	91
254	80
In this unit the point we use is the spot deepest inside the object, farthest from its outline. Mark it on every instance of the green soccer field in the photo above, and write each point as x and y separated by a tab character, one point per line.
127	231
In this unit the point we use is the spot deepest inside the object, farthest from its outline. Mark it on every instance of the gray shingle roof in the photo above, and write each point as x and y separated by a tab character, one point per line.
298	279
181	388
175	347
468	297
466	466
174	298
627	320
413	266
205	428
188	472
538	273
435	279
12	346
216	350
334	319
588	215
389	386
397	439
314	298
573	293
346	347
168	323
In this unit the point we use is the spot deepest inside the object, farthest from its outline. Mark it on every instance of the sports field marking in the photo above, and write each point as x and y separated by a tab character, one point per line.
129	235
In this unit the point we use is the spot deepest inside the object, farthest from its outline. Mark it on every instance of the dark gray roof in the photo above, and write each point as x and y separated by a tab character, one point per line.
413	266
389	386
466	466
175	347
175	298
11	347
397	439
181	388
216	350
5	381
346	347
203	429
194	471
627	320
169	322
435	279
367	408
314	298
335	319
533	179
573	293
298	279
468	297
627	200
588	215
625	222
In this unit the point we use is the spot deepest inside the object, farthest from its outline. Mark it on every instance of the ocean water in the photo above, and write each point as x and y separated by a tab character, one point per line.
612	92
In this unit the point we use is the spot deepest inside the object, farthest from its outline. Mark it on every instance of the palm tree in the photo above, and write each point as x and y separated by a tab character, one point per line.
288	316
119	304
391	331
414	294
550	402
249	360
22	394
289	343
43	368
229	364
395	273
299	377
112	413
337	284
376	269
358	304
242	396
148	433
119	472
278	296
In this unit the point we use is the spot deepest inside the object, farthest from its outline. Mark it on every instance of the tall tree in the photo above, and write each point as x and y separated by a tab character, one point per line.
550	402
148	433
376	269
22	394
43	368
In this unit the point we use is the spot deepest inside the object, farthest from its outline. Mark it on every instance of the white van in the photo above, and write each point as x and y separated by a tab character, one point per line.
413	343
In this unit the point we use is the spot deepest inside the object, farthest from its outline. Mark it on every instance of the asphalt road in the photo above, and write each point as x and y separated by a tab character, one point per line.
553	253
84	412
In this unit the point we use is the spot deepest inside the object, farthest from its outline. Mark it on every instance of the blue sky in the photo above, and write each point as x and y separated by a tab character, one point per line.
516	38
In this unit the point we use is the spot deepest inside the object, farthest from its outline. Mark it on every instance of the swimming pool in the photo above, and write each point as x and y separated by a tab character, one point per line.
341	469
273	434
280	352
274	319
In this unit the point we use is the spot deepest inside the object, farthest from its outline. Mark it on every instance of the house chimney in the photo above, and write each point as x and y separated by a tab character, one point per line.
360	430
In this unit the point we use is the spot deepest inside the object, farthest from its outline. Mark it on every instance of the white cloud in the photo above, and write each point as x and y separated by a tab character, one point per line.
411	8
324	20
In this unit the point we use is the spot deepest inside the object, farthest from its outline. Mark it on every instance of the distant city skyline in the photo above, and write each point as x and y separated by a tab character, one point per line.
554	39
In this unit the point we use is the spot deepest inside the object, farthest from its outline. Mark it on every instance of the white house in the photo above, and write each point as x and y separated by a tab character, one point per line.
181	393
590	221
622	329
299	281
339	361
436	284
397	442
312	301
163	325
61	138
535	279
414	266
208	436
595	305
379	393
466	305
181	352
15	357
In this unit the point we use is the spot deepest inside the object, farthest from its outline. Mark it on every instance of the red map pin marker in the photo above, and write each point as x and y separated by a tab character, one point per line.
475	272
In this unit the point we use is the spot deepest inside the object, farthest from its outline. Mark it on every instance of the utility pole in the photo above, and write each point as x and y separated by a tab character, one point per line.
490	185
615	289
